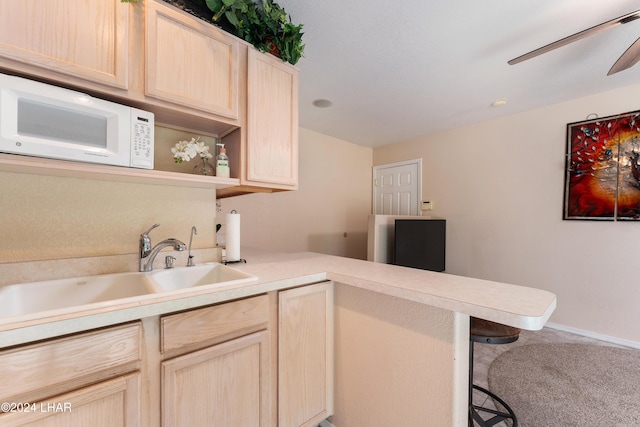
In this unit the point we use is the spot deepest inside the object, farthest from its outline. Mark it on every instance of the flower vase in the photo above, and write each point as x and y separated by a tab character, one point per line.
204	168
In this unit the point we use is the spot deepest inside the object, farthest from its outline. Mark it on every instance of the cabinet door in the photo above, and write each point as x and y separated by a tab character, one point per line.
305	355
110	403
272	121
87	39
190	62
223	385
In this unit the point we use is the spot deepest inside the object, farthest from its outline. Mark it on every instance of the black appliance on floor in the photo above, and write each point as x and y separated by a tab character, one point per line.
420	243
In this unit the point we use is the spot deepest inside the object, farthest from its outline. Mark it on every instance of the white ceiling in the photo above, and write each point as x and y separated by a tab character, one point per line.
397	70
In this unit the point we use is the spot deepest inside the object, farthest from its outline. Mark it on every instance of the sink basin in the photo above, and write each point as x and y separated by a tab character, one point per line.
26	298
199	275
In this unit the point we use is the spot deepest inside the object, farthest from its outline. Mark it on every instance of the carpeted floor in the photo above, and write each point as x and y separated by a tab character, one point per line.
565	385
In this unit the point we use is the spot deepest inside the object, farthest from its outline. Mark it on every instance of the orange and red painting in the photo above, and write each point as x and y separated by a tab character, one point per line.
602	172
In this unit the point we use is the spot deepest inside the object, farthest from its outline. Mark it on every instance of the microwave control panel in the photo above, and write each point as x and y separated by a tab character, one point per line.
142	139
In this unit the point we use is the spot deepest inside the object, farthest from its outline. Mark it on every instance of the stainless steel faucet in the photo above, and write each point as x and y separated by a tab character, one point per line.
148	254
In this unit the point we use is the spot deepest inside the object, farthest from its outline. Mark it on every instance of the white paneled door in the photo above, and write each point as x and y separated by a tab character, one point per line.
397	188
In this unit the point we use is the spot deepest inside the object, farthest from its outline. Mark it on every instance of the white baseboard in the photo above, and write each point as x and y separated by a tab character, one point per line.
325	423
594	335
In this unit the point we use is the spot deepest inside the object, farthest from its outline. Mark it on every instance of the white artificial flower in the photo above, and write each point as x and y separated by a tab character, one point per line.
187	150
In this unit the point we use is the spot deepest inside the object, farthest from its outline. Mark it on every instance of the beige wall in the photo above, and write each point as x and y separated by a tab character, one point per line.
334	198
500	184
374	331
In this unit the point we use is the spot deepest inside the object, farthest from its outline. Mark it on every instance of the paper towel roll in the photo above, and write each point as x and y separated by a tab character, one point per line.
232	237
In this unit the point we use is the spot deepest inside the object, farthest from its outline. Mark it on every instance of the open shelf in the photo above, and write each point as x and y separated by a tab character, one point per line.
50	167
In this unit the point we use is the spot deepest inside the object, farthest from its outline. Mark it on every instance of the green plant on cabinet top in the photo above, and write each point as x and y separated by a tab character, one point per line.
281	32
240	17
265	25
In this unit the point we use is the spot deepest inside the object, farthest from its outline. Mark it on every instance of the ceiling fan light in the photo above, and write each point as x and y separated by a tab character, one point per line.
500	102
322	103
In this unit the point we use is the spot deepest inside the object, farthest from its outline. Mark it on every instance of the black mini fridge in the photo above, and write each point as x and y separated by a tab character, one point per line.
420	243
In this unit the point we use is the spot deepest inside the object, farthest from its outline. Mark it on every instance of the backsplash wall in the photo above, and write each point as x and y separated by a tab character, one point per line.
45	217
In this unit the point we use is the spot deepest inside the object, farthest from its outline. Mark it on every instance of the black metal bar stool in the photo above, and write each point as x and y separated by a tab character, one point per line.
484	331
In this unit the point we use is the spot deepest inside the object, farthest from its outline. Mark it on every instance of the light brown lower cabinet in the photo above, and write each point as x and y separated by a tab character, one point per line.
224	379
223	385
110	403
88	379
305	355
261	361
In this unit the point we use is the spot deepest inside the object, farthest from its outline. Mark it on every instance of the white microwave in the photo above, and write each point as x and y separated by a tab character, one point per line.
42	120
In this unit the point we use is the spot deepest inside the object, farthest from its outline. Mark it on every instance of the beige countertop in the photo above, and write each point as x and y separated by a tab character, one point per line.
518	306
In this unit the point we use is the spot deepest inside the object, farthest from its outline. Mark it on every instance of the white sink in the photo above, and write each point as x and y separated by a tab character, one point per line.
26	298
199	275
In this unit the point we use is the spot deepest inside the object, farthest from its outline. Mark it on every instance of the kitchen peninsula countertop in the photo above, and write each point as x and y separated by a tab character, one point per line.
518	306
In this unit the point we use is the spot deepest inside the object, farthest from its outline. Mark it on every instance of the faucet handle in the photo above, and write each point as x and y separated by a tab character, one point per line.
149	230
145	241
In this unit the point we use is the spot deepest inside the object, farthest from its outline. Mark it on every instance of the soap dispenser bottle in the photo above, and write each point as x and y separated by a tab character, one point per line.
222	162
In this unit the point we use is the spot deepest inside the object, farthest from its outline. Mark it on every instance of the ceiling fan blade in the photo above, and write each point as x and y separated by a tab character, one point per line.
628	58
577	36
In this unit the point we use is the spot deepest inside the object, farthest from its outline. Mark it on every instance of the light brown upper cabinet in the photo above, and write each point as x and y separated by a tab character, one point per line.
190	62
272	122
79	38
189	73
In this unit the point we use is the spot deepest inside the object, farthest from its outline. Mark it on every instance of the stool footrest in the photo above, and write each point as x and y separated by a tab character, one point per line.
498	416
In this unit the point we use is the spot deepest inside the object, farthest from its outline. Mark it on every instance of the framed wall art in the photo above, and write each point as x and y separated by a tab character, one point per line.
602	176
